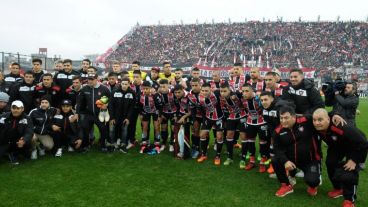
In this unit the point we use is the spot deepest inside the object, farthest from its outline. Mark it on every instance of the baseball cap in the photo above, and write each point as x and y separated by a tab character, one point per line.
66	102
92	76
17	103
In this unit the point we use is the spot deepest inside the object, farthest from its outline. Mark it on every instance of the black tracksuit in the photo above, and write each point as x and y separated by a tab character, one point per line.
53	91
42	120
344	142
137	89
25	93
120	108
5	87
68	134
13	79
300	146
38	77
11	130
88	112
305	97
64	81
72	95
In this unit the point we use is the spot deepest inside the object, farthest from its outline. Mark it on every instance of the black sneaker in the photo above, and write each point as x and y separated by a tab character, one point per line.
13	159
123	149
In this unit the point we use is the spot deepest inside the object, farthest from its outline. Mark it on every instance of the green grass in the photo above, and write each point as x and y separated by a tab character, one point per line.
98	179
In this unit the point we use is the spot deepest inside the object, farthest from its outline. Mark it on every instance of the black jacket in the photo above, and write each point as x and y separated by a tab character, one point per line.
346	107
347	140
5	87
12	129
25	93
298	144
62	120
305	96
86	101
42	120
12	79
121	104
271	116
53	91
64	80
72	95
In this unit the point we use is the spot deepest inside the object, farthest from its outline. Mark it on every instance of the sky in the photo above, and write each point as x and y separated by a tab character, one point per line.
74	28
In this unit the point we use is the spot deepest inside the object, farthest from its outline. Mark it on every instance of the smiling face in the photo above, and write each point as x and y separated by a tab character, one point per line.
321	120
287	120
295	78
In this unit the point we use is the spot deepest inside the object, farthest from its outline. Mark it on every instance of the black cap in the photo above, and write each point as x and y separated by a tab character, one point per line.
92	76
66	102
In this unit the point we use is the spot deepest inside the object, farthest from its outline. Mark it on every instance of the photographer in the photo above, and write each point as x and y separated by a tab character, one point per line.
345	102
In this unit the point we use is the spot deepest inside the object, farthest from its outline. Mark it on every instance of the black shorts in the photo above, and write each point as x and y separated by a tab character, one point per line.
166	117
235	125
208	124
147	116
261	130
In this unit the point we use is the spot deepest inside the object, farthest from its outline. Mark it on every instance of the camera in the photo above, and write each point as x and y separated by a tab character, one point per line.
329	89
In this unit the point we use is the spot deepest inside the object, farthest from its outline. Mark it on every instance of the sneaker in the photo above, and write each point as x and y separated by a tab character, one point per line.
180	155
262	165
292	180
242	164
270	169
300	174
312	191
284	190
217	161
162	148
250	165
123	149
171	148
101	116
143	147
195	154
70	149
157	148
335	193
13	159
59	152
201	159
273	176
130	145
228	162
34	155
348	203
41	152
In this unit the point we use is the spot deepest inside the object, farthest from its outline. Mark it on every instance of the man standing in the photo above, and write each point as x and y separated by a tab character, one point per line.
64	78
48	88
86	63
167	74
14	75
25	92
347	147
87	111
37	70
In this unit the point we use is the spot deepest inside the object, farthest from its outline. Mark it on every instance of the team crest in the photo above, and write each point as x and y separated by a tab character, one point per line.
301	129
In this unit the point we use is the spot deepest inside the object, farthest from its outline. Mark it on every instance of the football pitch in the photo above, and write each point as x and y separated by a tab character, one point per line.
133	179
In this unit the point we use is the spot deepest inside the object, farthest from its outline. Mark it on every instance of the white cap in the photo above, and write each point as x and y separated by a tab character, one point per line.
17	103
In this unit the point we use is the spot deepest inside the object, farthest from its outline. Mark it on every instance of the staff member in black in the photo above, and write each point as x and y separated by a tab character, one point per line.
295	147
347	147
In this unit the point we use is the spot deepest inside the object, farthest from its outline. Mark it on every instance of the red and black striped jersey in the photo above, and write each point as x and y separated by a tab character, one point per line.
277	92
211	106
182	105
254	111
232	107
194	104
150	103
259	85
236	83
168	103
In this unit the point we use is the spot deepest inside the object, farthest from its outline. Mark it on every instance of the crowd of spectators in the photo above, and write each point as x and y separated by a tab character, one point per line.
280	44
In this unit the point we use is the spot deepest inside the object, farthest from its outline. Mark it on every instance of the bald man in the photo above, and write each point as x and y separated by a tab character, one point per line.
347	147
